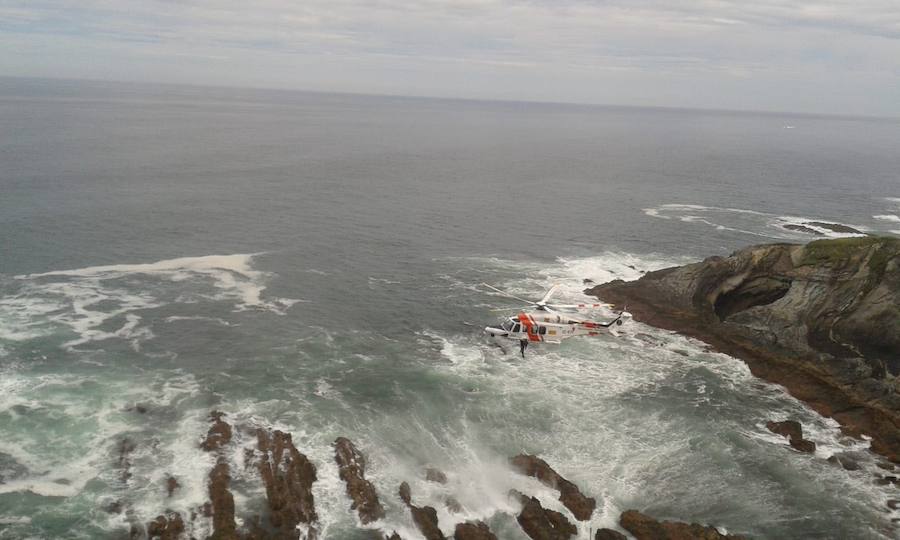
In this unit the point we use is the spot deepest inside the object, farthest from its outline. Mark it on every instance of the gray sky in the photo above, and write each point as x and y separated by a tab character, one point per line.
828	56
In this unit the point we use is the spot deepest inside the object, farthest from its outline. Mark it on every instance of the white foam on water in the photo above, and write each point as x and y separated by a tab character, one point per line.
750	222
893	218
84	300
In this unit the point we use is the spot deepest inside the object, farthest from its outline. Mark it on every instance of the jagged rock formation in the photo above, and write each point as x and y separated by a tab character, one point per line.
352	468
581	506
288	476
166	527
219	434
477	530
822	319
794	433
609	534
644	527
425	518
540	523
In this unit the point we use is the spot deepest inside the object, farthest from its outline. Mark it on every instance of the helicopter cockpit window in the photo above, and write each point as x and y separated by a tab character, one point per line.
516	328
506	325
542	330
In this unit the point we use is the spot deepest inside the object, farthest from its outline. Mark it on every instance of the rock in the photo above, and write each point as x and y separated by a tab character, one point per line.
802	228
288	476
434	475
587	281
581	506
893	504
426	520
540	523
794	433
166	527
453	505
644	527
352	469
10	469
113	507
844	460
405	494
835	227
885	465
219	434
222	503
393	536
788	428
477	530
171	485
125	448
821	319
885	480
609	534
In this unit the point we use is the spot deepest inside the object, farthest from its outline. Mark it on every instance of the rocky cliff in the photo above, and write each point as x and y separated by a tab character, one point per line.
822	319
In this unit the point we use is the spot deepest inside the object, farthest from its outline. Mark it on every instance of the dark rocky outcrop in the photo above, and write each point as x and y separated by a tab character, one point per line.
609	534
425	517
644	527
352	469
288	476
166	527
222	503
477	530
581	506
219	434
822	319
171	485
540	523
794	433
435	475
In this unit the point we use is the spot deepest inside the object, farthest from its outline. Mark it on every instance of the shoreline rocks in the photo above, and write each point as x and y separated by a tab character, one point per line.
288	476
793	431
821	319
582	507
644	527
541	523
352	469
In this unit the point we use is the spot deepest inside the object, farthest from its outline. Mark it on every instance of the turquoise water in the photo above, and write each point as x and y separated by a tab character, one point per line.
311	263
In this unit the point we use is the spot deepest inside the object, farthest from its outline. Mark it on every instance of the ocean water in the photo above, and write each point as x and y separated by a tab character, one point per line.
311	262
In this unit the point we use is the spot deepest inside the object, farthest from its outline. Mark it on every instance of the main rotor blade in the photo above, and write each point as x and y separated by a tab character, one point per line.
579	306
504	293
549	294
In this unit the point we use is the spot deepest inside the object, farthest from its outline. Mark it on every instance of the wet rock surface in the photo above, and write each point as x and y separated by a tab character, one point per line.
435	475
288	476
822	319
473	531
644	527
581	506
793	431
425	517
166	527
219	433
352	469
540	523
609	534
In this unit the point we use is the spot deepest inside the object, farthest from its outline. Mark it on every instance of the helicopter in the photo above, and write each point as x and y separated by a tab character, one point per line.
546	325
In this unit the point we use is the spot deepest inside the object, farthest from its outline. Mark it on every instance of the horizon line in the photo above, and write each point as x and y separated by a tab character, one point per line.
762	112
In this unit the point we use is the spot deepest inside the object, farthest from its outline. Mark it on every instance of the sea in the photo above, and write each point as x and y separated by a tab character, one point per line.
314	262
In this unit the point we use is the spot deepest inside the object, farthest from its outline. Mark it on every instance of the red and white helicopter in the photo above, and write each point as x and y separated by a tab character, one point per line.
546	325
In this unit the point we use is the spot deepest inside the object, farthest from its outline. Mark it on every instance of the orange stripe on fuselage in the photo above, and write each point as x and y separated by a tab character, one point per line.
530	328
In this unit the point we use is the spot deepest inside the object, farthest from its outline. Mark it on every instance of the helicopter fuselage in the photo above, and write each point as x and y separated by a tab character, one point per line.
542	326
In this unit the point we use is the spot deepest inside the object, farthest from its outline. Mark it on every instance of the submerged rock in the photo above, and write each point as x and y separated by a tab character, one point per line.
822	319
644	527
540	523
171	485
581	506
477	530
288	476
352	469
794	433
435	475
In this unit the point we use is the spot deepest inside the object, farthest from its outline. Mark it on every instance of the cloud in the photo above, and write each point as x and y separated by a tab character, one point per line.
754	54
